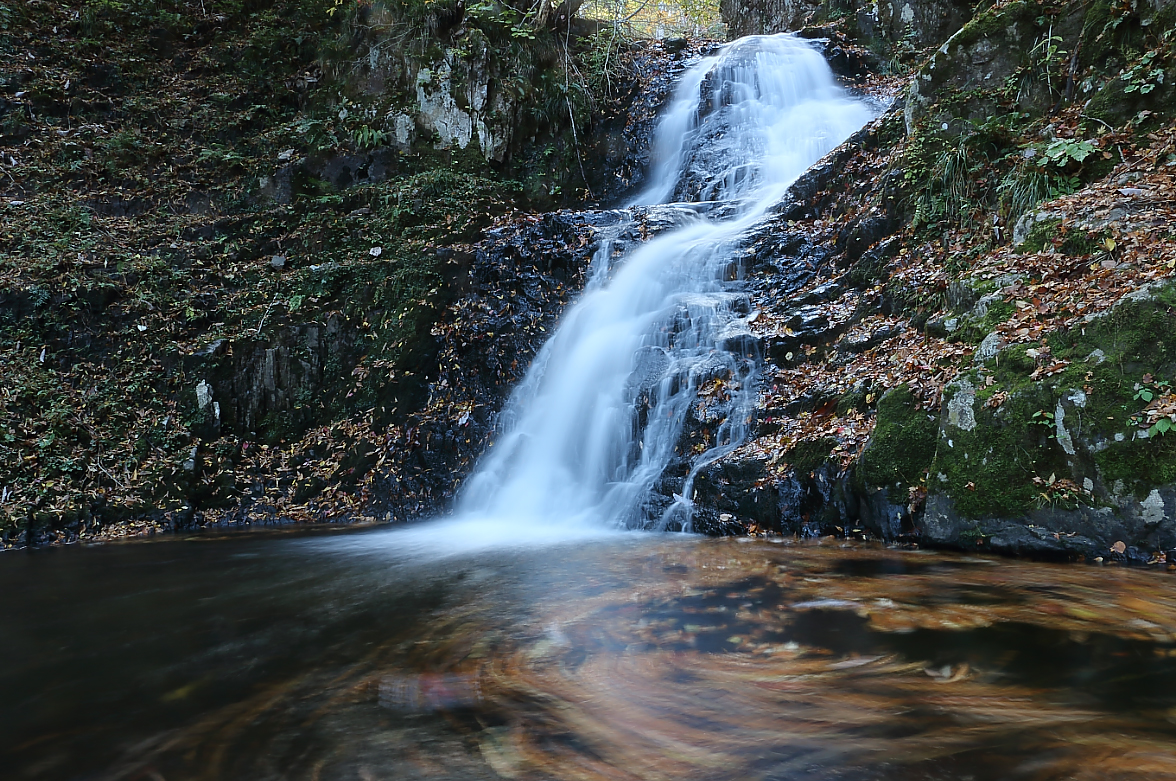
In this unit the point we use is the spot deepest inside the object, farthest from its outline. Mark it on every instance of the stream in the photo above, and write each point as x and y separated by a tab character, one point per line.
554	627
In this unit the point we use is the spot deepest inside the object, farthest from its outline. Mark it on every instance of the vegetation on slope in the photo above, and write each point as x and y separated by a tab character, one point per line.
191	188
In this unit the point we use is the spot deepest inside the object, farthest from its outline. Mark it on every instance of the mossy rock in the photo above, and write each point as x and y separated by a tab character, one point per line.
807	457
977	60
973	328
1041	235
1112	355
902	446
987	458
1116	106
991	447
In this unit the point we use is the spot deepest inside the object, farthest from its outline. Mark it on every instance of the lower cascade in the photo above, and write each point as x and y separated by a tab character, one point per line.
597	418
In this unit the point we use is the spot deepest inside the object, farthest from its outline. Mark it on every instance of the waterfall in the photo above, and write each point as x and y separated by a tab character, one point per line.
596	420
576	447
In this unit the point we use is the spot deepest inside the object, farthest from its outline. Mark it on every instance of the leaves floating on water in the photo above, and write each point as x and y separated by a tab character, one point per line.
718	660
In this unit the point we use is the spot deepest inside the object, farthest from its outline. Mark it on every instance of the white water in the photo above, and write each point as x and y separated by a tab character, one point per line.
572	458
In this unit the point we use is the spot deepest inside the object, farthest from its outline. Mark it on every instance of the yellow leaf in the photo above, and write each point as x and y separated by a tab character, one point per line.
1109	243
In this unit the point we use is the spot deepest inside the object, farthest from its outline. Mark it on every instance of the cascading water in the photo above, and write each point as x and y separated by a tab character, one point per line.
575	446
595	422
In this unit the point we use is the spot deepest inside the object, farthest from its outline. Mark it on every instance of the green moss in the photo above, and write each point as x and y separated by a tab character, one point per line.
989	470
973	330
1041	236
1140	465
1137	339
902	446
806	457
1079	243
995	22
852	400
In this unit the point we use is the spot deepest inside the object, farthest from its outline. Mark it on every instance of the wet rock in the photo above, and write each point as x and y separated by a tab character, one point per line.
821	293
809	325
862	234
860	344
1086	533
738	339
731	497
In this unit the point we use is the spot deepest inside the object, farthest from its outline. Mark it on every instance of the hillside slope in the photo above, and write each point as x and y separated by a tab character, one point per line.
979	352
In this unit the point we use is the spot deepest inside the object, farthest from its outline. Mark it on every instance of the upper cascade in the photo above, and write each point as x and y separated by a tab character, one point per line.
598	417
746	122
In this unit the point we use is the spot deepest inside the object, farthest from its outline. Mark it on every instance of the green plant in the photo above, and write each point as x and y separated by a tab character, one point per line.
1148	390
1145	75
1035	177
1023	187
366	137
1055	492
1160	412
489	13
1063	151
601	61
1048	54
949	186
1046	420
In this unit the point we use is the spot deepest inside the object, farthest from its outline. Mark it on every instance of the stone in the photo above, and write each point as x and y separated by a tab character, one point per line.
1029	221
961	411
1063	436
1152	508
990	347
203	394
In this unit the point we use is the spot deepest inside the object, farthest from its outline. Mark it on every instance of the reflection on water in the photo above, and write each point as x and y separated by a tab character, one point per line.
635	657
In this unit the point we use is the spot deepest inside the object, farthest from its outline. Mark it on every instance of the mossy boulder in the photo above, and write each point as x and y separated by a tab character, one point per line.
966	76
1050	449
894	464
902	447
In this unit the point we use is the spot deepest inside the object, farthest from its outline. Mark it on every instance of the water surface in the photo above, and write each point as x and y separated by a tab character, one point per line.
628	657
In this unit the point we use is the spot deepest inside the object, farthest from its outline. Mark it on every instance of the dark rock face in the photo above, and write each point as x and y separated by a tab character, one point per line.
278	378
519	280
977	61
620	145
1085	533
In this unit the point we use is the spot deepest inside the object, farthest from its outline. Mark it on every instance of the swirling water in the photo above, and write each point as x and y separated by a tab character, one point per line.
639	658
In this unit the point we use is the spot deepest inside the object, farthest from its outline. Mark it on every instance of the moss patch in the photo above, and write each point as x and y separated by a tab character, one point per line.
902	446
806	457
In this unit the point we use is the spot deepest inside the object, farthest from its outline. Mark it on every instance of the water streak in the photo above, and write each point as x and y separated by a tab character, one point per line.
596	420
